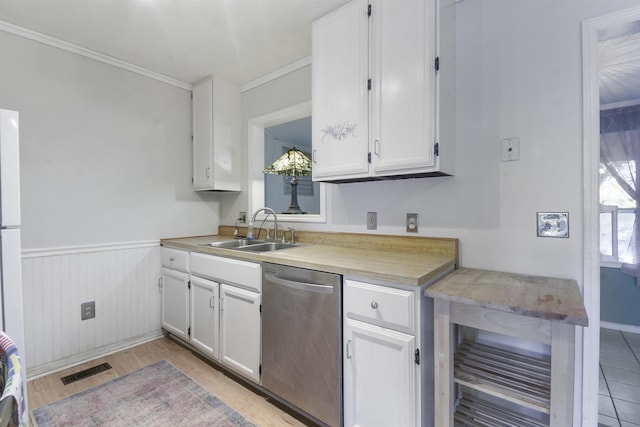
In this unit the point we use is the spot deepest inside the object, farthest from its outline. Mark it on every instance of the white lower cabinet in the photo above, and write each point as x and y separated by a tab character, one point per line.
213	303
175	291
379	376
204	315
235	323
387	355
240	330
175	302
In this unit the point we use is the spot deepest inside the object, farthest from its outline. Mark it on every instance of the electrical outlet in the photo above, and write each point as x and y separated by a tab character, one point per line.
372	220
412	223
87	310
243	216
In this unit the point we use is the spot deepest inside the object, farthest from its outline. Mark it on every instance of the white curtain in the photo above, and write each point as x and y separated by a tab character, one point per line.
619	154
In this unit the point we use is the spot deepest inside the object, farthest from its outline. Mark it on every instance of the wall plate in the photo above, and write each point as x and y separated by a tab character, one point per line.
372	220
412	223
87	310
510	149
552	224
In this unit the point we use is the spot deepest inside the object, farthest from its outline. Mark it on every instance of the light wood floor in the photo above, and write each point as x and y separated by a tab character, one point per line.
247	401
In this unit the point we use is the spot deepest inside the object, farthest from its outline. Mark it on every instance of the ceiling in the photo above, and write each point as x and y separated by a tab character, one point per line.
619	61
240	40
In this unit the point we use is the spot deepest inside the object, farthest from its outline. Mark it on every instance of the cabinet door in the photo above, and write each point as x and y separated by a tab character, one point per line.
202	106
340	94
204	315
379	376
240	331
175	302
216	135
403	85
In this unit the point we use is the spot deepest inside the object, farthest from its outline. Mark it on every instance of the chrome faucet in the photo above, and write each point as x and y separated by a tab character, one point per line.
275	221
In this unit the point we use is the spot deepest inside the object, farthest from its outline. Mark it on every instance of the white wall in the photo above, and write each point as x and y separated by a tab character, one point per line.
105	158
105	153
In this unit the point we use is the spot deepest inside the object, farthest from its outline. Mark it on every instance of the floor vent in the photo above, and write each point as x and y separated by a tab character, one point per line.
84	374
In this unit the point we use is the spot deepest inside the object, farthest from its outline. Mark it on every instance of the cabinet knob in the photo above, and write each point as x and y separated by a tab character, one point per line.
374	305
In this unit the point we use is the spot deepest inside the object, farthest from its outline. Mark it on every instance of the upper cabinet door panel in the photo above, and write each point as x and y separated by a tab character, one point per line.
202	134
340	111
403	76
216	135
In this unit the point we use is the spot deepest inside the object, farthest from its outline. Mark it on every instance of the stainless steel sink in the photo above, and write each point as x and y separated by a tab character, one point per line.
250	245
233	244
267	247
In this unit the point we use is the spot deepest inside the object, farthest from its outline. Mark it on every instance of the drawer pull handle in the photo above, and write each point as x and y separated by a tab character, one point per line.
374	305
172	259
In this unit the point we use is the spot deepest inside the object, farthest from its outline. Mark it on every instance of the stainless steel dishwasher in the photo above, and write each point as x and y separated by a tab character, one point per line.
301	339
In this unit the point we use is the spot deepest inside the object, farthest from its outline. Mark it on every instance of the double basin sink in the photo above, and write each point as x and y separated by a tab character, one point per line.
251	245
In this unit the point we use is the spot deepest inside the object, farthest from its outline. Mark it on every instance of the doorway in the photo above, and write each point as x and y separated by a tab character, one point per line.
594	31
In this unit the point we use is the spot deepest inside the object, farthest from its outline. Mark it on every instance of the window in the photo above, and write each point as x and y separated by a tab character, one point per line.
617	214
256	162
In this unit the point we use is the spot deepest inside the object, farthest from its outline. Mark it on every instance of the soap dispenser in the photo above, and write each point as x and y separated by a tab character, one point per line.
250	235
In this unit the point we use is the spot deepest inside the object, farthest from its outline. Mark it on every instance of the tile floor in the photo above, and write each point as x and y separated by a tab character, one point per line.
619	403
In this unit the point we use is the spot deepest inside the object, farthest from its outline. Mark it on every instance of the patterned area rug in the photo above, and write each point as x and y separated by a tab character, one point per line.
158	395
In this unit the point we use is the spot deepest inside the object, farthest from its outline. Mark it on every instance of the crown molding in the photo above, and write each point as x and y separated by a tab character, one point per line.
276	74
91	54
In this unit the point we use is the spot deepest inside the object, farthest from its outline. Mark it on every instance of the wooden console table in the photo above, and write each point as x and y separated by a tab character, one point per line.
475	381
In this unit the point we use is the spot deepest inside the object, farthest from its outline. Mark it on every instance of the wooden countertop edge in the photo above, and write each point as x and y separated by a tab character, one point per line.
539	314
576	314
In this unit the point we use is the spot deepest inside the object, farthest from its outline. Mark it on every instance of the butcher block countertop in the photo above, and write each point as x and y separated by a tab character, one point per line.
540	297
403	260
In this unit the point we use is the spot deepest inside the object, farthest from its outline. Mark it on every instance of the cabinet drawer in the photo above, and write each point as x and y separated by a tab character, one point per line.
175	259
382	305
227	270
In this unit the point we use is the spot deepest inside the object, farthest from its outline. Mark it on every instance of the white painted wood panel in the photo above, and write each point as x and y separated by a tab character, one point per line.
243	274
122	280
240	331
381	305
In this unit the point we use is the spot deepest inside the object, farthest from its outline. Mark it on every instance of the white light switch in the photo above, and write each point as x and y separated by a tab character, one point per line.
510	149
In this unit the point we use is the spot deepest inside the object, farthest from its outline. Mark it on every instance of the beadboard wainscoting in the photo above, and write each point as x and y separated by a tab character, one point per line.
121	278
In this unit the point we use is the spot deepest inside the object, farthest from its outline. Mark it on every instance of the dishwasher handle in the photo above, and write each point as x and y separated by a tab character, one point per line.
303	286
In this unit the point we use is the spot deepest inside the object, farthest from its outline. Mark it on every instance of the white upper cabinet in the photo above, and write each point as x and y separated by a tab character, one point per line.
340	105
375	92
216	135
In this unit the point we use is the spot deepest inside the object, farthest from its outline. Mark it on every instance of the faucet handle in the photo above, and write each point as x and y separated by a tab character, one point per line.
293	234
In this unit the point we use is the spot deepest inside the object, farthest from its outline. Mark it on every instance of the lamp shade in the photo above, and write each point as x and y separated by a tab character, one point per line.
293	163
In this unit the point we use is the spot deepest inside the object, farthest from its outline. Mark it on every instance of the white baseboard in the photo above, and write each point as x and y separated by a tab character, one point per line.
620	327
69	362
